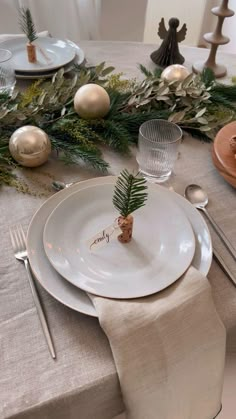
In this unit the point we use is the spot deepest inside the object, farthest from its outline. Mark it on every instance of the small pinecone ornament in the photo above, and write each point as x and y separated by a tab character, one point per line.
232	143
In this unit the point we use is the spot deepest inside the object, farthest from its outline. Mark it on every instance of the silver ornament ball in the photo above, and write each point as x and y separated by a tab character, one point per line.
30	146
175	72
91	101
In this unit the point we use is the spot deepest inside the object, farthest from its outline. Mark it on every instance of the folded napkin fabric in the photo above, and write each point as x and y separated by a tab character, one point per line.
169	350
6	37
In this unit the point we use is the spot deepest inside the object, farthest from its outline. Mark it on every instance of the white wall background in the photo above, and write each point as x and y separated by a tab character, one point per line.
123	19
127	20
8	16
187	11
229	29
196	14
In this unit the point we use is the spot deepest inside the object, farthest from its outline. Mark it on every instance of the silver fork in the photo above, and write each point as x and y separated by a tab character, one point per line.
19	246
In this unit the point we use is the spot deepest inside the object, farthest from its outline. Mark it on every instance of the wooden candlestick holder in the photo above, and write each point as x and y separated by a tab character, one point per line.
215	38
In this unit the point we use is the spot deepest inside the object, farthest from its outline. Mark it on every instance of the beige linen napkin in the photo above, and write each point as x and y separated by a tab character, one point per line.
169	350
6	36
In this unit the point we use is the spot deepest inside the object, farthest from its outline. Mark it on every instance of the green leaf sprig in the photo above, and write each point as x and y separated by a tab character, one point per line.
27	24
129	193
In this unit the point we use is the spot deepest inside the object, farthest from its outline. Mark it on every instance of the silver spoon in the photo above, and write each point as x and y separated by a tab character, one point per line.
198	197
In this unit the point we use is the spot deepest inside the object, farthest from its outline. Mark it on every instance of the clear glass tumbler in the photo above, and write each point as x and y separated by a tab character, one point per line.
158	148
7	72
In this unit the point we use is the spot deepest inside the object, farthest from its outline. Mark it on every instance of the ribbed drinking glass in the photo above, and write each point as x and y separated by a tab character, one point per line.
7	72
158	148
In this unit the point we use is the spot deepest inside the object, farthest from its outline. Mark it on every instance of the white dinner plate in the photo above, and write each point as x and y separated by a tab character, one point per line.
79	59
35	76
72	296
59	53
161	249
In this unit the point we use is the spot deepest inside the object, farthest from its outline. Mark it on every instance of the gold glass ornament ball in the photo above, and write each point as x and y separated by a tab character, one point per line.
91	101
30	146
175	72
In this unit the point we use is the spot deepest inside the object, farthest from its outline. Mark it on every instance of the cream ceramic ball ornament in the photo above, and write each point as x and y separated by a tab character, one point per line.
91	101
30	146
175	72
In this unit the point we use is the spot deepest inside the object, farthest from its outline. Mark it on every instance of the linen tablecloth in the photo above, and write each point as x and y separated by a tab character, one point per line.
84	379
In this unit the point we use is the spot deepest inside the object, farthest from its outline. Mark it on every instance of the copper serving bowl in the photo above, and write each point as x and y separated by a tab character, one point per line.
222	153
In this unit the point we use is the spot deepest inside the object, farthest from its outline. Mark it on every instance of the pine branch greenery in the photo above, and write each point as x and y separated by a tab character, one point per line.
145	71
199	105
74	151
116	136
226	91
129	193
207	77
27	24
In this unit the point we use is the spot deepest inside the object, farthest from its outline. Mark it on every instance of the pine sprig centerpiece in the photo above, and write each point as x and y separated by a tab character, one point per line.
28	28
198	104
129	195
27	24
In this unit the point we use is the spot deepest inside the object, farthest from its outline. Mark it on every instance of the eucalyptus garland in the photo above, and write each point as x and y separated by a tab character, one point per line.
198	104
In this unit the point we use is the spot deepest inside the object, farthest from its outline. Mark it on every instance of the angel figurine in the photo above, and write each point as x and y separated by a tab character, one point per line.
168	53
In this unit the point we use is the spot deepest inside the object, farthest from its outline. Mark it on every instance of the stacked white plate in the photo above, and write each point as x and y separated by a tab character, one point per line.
52	54
169	235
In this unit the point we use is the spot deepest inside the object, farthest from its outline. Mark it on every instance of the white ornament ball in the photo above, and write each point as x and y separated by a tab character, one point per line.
30	146
175	72
91	101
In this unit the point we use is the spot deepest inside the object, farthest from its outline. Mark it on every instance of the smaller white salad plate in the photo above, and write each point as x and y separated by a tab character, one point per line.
56	53
46	74
160	251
